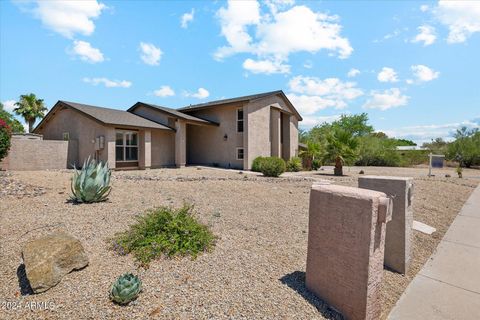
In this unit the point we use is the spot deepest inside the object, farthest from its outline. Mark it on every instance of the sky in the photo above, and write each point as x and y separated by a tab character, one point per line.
413	66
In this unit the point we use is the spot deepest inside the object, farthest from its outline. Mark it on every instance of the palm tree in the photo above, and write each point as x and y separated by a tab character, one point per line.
30	108
341	149
312	152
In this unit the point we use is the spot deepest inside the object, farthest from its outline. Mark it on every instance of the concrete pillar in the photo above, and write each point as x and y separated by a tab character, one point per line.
399	230
110	147
145	150
180	143
346	237
275	132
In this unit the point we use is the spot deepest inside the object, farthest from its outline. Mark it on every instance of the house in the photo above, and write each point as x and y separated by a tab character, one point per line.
228	133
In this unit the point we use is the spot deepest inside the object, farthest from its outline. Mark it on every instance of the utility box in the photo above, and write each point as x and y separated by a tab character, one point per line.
346	238
399	230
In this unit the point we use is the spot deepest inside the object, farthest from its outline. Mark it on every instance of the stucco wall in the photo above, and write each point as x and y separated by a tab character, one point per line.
163	148
258	133
28	154
81	129
154	115
206	144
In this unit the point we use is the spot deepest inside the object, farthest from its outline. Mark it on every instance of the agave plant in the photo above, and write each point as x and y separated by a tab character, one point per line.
125	289
92	182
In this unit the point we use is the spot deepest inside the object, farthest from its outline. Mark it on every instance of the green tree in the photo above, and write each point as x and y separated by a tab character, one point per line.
14	124
313	151
466	147
30	108
341	148
356	124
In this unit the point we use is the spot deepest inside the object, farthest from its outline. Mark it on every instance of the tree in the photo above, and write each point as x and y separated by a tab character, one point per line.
466	147
14	124
313	151
356	124
30	108
341	148
5	136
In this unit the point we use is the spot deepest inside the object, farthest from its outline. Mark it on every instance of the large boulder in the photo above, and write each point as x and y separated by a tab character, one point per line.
49	258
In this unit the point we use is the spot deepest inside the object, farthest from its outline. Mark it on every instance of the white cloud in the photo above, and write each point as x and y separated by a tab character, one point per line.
308	64
461	17
426	35
150	54
385	100
265	66
274	35
387	75
310	94
187	17
164	91
423	73
425	133
201	93
108	83
353	73
86	52
311	121
9	105
424	8
69	17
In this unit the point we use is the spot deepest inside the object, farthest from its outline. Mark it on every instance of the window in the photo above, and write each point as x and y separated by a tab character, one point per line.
66	136
240	120
126	146
239	153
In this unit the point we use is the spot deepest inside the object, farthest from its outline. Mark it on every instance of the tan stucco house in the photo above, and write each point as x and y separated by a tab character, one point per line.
228	133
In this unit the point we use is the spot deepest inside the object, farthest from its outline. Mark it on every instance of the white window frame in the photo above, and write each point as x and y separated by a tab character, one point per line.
240	120
124	145
236	153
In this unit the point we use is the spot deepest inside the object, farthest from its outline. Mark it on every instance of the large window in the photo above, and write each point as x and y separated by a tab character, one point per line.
126	146
240	120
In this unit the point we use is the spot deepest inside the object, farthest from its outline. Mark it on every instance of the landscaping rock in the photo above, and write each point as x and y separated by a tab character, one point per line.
49	258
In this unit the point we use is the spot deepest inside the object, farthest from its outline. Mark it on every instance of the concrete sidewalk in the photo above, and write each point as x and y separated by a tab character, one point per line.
448	286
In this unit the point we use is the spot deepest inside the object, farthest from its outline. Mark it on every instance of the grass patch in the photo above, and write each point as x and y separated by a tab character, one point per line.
164	231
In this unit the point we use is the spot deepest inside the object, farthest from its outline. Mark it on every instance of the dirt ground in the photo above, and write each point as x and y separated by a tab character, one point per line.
256	270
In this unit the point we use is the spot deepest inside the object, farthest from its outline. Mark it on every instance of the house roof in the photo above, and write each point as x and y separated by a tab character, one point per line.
240	99
173	112
106	116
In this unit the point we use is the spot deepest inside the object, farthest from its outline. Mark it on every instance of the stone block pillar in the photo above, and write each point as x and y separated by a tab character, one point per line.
399	230
346	238
180	143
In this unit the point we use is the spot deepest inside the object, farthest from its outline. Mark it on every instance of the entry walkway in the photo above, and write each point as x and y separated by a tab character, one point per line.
448	286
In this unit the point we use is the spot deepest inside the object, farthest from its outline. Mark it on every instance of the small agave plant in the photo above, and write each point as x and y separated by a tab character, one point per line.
92	182
125	289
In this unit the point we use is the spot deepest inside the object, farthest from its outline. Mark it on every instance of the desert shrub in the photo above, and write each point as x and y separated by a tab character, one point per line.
164	231
466	148
316	164
257	164
5	137
294	164
413	157
273	166
374	151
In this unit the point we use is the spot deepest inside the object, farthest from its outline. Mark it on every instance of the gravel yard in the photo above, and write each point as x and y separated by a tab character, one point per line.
256	269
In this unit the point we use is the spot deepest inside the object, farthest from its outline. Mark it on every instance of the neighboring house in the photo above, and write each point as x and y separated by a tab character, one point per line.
228	133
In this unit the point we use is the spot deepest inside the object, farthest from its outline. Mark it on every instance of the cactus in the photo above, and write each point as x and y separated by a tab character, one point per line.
92	182
125	289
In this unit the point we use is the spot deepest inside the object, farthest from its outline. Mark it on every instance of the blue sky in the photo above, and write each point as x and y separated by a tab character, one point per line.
413	66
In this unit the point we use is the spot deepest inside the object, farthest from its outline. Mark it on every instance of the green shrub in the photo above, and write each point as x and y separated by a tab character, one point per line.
257	164
294	164
5	137
164	231
273	166
316	164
